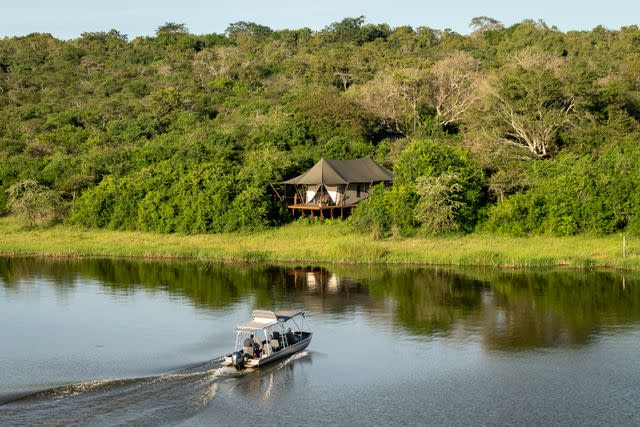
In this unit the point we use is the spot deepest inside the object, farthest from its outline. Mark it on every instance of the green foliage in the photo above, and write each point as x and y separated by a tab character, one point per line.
527	104
425	157
35	203
3	202
163	198
183	133
388	210
373	215
264	166
437	186
429	159
354	30
576	194
440	201
248	29
172	28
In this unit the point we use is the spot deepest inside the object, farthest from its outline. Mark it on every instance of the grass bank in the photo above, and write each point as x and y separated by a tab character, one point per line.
332	243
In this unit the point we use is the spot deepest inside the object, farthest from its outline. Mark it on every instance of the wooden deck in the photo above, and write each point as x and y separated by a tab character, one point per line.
331	211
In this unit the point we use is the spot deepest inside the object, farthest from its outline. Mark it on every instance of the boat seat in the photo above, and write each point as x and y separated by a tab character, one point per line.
274	340
292	338
266	349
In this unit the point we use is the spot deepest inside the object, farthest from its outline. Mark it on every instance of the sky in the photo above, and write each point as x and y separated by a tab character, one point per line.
69	18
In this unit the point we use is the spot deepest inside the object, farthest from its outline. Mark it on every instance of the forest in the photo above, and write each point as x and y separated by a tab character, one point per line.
518	130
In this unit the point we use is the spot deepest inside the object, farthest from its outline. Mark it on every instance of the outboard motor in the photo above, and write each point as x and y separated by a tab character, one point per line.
237	359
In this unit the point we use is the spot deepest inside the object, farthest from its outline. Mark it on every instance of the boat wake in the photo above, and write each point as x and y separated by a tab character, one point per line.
162	399
296	356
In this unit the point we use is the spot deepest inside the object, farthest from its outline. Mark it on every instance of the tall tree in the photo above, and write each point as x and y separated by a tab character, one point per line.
172	28
454	82
397	96
527	105
480	24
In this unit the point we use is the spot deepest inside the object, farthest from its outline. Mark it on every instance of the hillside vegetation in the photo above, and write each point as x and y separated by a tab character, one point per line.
520	130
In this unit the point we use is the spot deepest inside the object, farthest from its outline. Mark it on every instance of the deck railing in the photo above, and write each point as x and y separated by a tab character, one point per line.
328	202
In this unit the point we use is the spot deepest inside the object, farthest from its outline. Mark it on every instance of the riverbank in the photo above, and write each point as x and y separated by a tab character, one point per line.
326	243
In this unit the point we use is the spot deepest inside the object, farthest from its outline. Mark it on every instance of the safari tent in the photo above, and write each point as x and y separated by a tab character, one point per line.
332	187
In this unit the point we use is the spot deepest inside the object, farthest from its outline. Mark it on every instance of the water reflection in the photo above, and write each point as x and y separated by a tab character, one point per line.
263	383
506	310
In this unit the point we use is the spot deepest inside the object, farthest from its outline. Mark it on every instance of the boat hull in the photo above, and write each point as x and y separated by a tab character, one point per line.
292	349
287	351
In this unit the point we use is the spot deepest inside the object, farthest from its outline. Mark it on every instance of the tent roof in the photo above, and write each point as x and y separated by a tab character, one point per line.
334	172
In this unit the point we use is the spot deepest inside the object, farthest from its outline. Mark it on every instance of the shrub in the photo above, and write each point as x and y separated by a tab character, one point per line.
387	210
372	215
425	157
576	194
35	203
436	185
439	202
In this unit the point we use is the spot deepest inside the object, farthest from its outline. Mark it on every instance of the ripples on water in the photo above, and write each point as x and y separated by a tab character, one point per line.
147	400
391	346
165	399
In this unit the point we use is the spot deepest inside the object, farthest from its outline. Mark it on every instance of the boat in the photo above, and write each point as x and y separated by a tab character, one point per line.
274	335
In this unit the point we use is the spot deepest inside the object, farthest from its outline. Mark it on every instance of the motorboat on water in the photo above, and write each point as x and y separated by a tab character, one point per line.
267	337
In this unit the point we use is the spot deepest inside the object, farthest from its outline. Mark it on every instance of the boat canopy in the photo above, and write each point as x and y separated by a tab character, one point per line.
285	315
265	318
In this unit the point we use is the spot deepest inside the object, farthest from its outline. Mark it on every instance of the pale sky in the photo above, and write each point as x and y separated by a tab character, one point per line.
69	18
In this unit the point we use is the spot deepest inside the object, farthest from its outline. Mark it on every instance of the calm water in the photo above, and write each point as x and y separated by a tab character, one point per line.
121	342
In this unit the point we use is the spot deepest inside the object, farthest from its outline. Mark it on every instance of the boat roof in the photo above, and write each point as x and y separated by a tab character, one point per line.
264	318
285	315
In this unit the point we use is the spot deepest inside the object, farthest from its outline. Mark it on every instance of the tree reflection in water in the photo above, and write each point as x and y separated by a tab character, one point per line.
509	309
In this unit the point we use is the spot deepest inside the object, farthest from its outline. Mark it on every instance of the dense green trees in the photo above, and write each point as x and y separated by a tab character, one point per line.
523	129
438	188
594	193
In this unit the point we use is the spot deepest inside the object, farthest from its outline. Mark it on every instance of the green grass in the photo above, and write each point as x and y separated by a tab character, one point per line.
333	243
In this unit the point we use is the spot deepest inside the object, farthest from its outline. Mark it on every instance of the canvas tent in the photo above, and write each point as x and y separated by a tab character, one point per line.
334	172
340	183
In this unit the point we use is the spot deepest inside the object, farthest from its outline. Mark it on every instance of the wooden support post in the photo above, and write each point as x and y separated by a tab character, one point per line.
624	246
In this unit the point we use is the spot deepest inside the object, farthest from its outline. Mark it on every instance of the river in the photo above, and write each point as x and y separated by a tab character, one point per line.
94	342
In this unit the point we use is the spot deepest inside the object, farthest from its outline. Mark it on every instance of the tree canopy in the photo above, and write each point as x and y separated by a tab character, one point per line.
519	129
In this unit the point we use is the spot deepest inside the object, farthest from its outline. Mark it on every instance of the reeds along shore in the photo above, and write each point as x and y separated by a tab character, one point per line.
323	243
